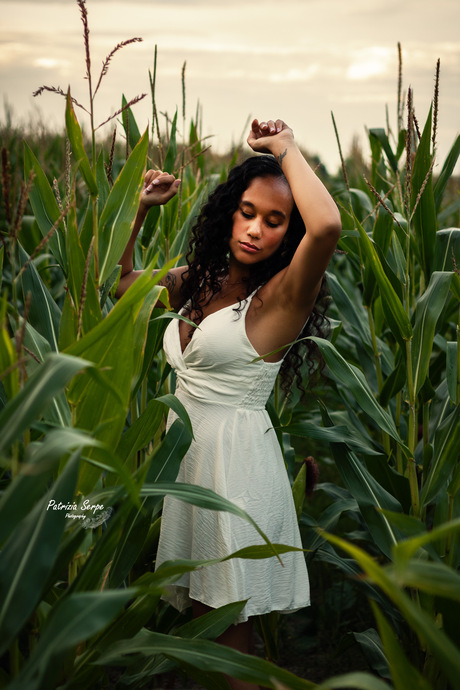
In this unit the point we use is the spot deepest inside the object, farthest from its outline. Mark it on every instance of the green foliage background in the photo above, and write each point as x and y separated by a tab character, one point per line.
85	390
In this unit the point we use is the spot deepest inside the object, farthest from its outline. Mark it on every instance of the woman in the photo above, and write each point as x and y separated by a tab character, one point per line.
258	254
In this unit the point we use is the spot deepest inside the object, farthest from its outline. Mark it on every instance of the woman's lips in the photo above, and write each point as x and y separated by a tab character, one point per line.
251	248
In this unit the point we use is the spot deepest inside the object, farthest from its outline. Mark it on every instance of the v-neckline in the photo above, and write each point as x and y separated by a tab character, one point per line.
183	351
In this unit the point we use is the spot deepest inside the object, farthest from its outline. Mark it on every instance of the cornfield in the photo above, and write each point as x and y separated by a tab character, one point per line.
85	390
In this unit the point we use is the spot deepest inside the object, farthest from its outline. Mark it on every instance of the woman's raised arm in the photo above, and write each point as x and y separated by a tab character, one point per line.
159	188
299	283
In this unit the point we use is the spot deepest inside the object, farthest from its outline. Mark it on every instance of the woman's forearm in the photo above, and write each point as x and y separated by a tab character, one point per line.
316	206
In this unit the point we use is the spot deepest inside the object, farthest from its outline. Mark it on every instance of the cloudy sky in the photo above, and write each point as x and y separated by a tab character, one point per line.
294	59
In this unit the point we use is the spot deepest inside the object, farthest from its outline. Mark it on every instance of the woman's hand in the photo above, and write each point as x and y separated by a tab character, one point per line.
159	188
270	137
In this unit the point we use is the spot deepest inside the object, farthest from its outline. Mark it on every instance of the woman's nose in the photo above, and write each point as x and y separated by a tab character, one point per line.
254	230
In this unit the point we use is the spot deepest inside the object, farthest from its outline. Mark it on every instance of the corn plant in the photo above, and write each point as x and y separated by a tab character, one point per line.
393	427
83	398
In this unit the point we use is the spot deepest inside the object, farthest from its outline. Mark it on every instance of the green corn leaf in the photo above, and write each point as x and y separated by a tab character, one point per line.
445	652
102	400
332	434
206	627
37	393
44	314
129	124
446	173
8	355
403	673
58	413
102	181
181	240
427	312
424	220
92	314
126	625
163	466
150	225
406	549
381	135
205	498
298	490
447	249
372	648
208	656
71	621
29	554
76	141
355	681
452	373
351	311
211	624
171	153
30	485
45	207
436	579
370	496
396	316
447	255
115	223
445	456
352	378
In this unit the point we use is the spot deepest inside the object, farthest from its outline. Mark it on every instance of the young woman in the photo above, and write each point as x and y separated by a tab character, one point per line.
258	254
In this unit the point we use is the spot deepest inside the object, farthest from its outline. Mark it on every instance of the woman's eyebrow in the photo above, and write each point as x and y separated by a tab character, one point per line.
273	212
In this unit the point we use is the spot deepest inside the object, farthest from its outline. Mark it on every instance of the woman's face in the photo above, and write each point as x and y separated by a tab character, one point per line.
261	220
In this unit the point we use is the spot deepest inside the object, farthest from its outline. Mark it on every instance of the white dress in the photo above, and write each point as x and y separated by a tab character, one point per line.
236	454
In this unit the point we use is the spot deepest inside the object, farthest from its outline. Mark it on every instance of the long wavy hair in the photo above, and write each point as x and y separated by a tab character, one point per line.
208	261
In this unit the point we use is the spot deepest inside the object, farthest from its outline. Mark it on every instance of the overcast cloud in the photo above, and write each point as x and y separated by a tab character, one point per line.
296	59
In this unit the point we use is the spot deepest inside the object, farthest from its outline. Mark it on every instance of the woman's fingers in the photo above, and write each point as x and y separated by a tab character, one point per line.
267	128
157	178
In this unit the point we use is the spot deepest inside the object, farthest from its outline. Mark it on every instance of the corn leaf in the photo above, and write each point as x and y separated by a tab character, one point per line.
207	656
44	313
129	124
403	673
115	223
452	373
381	135
427	312
396	316
445	652
424	220
76	141
445	456
45	207
29	554
353	379
36	395
205	498
102	400
72	620
446	173
163	466
31	483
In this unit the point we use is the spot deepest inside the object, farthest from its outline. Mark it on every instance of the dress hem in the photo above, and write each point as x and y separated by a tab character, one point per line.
186	602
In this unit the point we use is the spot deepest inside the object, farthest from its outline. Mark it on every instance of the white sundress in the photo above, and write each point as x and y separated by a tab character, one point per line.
236	454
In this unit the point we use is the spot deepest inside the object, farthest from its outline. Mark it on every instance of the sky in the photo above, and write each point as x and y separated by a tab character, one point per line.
298	60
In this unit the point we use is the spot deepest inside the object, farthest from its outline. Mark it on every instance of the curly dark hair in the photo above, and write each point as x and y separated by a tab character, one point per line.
208	261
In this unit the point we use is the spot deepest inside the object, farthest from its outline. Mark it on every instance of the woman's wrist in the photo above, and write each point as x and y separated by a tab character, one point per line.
282	149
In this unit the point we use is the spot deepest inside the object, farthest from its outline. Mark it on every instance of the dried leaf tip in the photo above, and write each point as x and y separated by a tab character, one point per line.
400	102
436	105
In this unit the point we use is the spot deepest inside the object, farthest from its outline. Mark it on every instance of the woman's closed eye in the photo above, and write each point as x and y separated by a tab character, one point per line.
270	223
